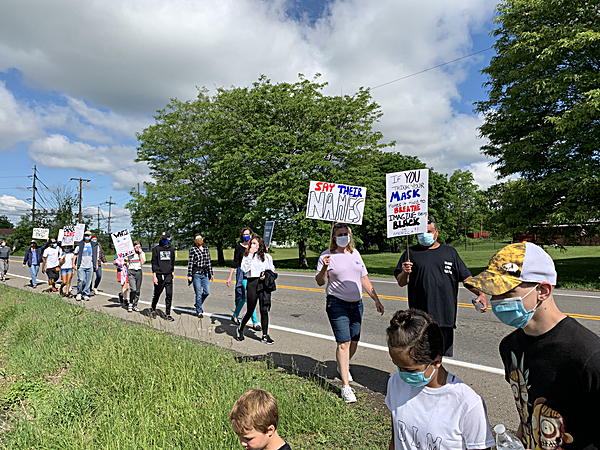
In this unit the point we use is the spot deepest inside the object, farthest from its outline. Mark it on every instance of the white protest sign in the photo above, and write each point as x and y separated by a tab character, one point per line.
40	233
336	202
406	201
123	244
68	235
61	235
79	230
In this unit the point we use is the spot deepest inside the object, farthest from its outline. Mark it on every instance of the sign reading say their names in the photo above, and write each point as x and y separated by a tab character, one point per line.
79	230
40	233
68	235
406	202
336	202
123	243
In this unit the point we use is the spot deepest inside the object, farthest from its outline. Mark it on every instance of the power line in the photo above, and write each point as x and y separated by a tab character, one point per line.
18	176
431	68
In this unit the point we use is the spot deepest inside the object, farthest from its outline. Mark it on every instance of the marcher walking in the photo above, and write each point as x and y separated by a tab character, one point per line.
342	267
86	263
135	276
33	259
5	253
200	272
255	264
240	280
163	270
101	260
122	264
51	264
66	258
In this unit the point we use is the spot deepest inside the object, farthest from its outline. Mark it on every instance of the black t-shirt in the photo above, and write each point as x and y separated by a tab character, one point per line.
286	446
238	255
433	282
555	379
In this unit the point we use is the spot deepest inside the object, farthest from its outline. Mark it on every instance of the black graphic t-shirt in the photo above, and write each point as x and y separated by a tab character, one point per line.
433	282
555	380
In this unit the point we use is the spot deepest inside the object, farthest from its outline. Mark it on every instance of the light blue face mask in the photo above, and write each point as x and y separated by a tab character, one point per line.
425	239
416	379
510	311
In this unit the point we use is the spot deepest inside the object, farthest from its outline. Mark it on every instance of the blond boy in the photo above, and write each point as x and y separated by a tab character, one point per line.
254	418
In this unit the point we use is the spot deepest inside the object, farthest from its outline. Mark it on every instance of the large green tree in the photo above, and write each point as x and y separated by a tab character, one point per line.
542	115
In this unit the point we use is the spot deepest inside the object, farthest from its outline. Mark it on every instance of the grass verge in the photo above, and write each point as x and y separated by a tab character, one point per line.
75	379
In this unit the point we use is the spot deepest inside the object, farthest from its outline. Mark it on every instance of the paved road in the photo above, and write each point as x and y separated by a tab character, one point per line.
303	337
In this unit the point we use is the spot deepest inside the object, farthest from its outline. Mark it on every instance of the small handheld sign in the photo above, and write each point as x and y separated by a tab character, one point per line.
40	233
123	243
68	235
79	230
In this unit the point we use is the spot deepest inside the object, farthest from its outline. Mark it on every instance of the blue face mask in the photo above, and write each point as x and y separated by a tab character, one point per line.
87	238
416	379
246	238
164	241
510	311
425	239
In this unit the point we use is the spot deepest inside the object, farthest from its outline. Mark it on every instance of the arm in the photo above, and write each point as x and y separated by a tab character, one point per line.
392	447
368	287
481	297
247	263
321	277
212	277
230	275
44	264
142	257
25	257
403	277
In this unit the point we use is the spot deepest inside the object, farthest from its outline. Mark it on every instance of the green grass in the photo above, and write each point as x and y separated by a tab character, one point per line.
75	379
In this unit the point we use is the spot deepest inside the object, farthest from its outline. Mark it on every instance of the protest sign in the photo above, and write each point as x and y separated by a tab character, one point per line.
61	235
406	198
79	230
68	235
268	234
123	243
40	233
336	202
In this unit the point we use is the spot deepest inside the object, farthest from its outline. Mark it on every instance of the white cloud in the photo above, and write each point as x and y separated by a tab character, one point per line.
13	207
17	123
131	56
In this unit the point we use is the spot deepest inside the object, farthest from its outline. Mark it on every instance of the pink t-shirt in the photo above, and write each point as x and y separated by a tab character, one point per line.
344	275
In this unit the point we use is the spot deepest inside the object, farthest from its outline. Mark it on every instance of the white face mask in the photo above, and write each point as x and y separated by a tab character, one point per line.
342	241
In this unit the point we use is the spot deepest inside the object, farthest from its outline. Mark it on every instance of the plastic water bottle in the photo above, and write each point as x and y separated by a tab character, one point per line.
478	305
505	440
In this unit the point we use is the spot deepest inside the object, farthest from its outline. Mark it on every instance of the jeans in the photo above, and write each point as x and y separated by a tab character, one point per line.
345	318
242	302
33	270
135	286
202	289
165	281
98	276
84	281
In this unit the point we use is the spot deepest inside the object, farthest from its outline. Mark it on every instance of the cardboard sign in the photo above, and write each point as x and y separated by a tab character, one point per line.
61	235
40	233
79	230
406	202
123	243
336	202
68	235
268	234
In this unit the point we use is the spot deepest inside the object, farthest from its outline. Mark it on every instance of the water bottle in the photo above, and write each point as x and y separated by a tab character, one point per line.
478	305
505	440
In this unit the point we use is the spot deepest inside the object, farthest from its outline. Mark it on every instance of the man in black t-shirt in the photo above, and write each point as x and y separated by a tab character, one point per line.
551	361
432	272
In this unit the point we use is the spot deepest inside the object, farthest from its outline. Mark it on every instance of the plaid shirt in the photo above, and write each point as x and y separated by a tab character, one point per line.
199	261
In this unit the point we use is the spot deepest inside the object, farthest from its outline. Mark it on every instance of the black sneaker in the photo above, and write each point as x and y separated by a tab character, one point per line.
257	327
267	340
153	314
121	298
170	319
239	335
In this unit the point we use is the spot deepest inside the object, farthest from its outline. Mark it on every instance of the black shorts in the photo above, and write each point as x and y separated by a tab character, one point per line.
53	273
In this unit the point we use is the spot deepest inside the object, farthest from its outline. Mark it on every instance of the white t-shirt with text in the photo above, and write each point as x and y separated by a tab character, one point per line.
52	257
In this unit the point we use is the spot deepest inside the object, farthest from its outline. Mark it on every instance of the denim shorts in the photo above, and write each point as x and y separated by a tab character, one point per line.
66	271
345	318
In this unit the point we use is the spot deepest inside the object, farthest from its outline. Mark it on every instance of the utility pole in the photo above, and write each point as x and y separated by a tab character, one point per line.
98	219
81	180
109	203
138	188
33	206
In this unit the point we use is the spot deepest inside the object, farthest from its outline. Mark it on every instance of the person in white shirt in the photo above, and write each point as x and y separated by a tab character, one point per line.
50	264
255	263
66	258
431	408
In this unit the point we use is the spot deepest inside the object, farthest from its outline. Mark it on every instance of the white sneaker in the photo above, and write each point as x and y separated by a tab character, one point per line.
86	298
348	394
78	298
95	291
350	376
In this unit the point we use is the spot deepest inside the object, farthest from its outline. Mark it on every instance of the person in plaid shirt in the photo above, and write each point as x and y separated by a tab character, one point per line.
200	271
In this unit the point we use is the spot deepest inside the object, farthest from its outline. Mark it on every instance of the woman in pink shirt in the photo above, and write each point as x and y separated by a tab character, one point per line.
342	267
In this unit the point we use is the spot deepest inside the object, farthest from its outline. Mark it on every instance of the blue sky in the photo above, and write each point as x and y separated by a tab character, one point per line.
78	79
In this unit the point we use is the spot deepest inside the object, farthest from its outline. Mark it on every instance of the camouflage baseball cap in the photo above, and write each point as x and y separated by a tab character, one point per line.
512	265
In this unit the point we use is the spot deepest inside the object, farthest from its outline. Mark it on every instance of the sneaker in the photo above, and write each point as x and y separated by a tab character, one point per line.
200	315
153	314
136	309
78	297
239	335
170	319
235	320
95	291
348	394
267	340
257	327
34	286
86	298
130	309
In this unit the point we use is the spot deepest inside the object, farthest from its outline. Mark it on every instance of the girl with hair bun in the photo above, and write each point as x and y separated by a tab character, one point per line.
430	407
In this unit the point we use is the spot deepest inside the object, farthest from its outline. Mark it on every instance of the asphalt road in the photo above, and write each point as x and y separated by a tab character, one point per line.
303	338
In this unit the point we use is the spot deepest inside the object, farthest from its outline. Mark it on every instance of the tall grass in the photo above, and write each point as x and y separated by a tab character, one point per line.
74	379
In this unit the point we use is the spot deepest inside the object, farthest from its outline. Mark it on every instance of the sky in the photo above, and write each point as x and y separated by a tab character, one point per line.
79	79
